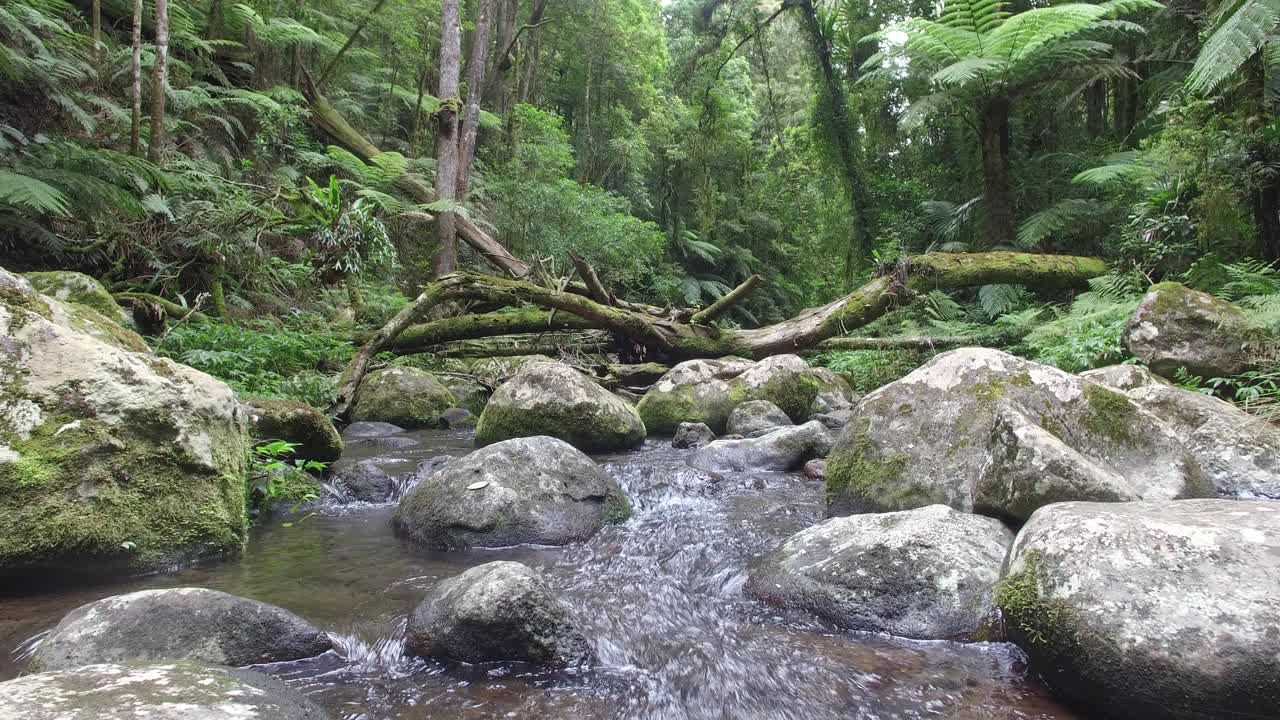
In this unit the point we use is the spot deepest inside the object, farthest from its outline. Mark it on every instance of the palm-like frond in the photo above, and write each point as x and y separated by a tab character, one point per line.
1073	213
1239	37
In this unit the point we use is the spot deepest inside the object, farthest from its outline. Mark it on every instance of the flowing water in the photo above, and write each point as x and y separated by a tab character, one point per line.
661	596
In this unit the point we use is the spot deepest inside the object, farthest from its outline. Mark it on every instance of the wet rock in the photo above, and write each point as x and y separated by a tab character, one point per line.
405	484
695	391
387	442
756	417
555	400
925	573
785	380
527	490
496	612
179	624
177	691
1238	453
836	419
295	422
1177	327
458	418
1151	609
362	480
834	392
1123	377
692	436
112	461
815	469
933	435
366	430
782	450
403	396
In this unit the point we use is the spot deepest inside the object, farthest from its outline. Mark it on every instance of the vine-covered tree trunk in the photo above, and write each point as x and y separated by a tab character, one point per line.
475	87
135	66
159	79
447	148
997	196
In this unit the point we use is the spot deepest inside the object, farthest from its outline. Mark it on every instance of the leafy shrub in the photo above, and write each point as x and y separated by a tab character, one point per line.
1088	335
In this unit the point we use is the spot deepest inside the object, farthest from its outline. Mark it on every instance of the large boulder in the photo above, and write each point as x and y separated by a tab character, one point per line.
925	573
781	450
692	436
1123	377
177	691
554	399
111	461
785	380
178	624
756	417
80	289
496	612
296	422
403	396
695	391
528	490
1238	453
1177	327
834	392
931	436
1151	609
362	480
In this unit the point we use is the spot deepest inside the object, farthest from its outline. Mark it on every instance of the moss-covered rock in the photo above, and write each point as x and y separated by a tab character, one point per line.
784	380
555	400
295	422
403	396
695	391
79	289
111	461
468	393
1177	327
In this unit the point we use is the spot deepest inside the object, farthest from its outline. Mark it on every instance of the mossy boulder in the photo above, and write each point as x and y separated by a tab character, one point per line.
784	380
528	490
925	573
1123	377
80	289
1176	327
695	391
403	396
979	429
175	691
1166	609
834	391
555	400
468	393
111	461
756	417
296	422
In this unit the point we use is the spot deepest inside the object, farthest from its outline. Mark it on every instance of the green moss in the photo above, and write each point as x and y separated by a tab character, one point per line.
402	396
93	323
859	479
585	428
1110	414
662	413
299	423
1037	623
78	288
793	393
617	508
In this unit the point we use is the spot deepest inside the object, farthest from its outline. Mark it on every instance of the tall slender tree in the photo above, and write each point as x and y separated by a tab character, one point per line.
447	148
475	89
135	125
159	81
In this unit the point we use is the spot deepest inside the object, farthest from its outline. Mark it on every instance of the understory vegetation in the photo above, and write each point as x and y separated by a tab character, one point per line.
679	148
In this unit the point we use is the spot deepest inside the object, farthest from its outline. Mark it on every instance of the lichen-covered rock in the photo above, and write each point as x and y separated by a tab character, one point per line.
362	480
403	396
756	417
1123	377
785	380
177	691
836	419
366	430
554	399
782	450
1177	327
1238	453
1151	609
179	624
496	612
527	490
296	422
111	461
80	289
692	436
695	391
924	573
834	392
930	437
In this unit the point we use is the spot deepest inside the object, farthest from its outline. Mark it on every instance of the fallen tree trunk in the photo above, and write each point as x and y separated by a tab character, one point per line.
942	342
421	338
676	341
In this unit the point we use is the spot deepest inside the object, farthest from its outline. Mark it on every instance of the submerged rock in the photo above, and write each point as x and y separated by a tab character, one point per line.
404	396
977	416
362	480
366	430
111	461
179	624
695	391
496	612
925	573
782	450
755	417
295	422
1151	609
555	400
1124	377
1177	327
692	436
1238	453
458	418
177	691
528	490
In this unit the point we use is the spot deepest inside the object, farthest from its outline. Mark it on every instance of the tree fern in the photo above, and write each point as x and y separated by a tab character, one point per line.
32	195
1239	36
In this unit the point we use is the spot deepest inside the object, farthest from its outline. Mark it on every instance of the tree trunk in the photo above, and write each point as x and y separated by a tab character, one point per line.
351	39
96	12
447	136
159	79
1096	106
475	88
499	93
135	123
215	23
997	197
1266	215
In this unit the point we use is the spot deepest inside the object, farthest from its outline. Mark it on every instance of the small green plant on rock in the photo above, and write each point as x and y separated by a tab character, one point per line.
275	477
